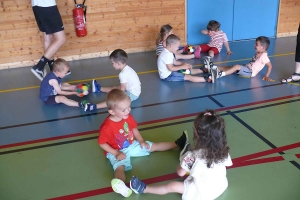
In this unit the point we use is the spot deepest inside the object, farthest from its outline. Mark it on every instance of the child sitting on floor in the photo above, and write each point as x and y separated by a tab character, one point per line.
52	90
165	31
129	80
121	140
259	60
168	66
206	163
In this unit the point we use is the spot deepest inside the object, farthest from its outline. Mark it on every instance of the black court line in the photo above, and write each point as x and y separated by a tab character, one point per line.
295	164
143	106
141	129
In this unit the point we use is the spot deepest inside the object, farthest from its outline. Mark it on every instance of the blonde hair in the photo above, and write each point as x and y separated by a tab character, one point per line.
164	30
60	64
114	97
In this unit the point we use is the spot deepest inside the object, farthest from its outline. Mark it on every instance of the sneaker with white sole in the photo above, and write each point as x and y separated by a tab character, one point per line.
119	187
219	73
96	87
38	73
180	142
68	73
186	148
137	185
90	107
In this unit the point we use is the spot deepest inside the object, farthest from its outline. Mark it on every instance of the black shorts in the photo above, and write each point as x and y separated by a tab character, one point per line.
51	100
297	55
48	19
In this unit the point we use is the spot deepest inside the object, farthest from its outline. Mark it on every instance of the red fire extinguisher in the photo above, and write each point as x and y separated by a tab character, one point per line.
79	14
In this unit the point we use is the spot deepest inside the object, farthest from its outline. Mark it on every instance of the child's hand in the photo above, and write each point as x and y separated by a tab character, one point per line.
229	52
144	144
268	79
120	155
72	87
204	32
79	94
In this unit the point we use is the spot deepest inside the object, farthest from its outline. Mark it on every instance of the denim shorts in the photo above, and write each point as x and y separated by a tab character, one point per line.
175	76
245	71
134	150
131	96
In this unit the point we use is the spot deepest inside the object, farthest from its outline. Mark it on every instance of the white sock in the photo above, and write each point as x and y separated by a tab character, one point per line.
223	74
214	67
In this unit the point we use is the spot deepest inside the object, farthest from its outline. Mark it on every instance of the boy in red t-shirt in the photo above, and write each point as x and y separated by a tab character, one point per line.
120	139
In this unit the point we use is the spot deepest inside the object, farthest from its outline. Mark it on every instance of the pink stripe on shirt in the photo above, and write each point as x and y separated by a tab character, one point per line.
217	39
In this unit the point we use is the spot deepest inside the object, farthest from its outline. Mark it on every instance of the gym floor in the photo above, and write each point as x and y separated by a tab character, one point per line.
51	152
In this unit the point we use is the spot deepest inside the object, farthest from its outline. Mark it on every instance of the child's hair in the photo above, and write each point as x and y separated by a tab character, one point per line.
172	39
213	25
264	41
119	55
164	30
210	137
114	97
60	64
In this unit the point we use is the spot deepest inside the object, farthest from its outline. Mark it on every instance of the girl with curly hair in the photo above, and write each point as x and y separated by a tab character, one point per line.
205	162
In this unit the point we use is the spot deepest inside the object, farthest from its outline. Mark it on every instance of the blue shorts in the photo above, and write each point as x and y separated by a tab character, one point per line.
175	76
51	100
131	96
134	150
245	71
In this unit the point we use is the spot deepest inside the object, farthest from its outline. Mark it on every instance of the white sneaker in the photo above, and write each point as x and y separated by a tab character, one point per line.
119	187
39	74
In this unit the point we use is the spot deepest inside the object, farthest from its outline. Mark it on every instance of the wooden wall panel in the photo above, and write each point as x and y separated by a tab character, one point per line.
128	24
288	18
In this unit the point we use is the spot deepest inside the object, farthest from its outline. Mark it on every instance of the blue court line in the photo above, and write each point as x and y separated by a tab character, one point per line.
231	113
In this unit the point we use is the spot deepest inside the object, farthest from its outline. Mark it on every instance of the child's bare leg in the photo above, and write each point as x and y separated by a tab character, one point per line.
108	89
120	173
66	101
163	146
196	71
184	57
211	54
101	105
172	187
58	40
230	70
194	78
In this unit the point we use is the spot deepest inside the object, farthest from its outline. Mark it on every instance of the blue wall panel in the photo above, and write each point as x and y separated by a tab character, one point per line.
253	18
200	12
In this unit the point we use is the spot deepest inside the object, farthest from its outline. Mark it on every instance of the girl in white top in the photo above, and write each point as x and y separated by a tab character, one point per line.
165	31
206	163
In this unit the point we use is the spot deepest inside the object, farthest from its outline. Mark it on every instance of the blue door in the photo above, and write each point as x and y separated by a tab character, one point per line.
253	18
200	12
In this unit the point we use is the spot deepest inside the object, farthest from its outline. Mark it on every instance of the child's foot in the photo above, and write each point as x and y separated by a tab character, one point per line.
137	185
82	104
38	73
186	148
119	187
180	142
185	71
197	52
208	64
90	107
45	72
96	87
68	73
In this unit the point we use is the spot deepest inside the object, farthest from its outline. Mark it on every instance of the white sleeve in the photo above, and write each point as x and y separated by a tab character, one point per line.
187	161
122	77
228	161
168	59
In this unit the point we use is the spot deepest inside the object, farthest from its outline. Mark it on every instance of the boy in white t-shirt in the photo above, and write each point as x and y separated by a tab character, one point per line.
129	80
169	67
259	60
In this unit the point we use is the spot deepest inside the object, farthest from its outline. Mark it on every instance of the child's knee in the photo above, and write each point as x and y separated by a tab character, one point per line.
237	67
60	99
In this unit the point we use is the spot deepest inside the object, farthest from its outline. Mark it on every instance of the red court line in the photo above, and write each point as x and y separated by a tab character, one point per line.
267	152
167	177
144	123
109	189
297	155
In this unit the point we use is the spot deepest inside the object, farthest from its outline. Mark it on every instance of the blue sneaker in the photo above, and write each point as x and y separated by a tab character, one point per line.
90	107
96	87
137	185
82	104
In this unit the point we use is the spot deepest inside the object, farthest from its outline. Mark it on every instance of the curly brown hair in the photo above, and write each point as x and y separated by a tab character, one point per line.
210	137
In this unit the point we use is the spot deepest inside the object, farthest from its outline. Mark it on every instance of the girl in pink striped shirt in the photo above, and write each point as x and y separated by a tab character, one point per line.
217	39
